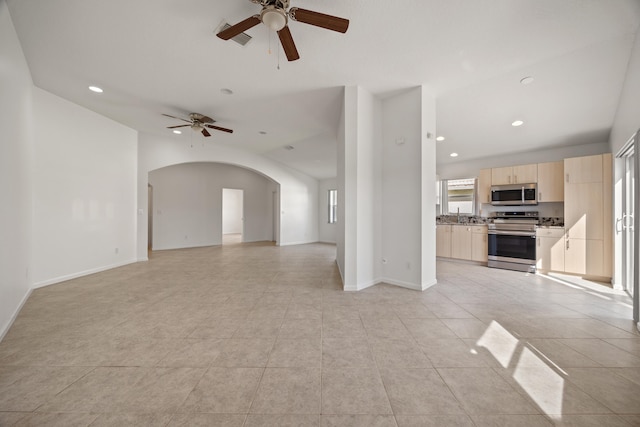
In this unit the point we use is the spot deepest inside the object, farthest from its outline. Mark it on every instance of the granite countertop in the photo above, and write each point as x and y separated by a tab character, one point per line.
555	222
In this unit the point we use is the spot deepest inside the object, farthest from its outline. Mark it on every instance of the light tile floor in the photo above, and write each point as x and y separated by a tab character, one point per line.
258	335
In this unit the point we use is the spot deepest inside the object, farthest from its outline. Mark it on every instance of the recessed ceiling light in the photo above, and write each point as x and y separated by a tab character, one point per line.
526	80
288	147
517	123
95	89
262	132
177	132
226	91
453	154
440	138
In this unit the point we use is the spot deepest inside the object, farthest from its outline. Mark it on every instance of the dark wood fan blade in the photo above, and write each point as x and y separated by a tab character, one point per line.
179	126
219	128
240	27
205	132
179	118
288	45
319	19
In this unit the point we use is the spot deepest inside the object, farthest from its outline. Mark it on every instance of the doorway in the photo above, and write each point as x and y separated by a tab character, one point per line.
627	222
232	216
150	218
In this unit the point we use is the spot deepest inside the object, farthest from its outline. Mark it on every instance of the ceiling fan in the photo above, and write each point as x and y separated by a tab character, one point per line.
198	123
275	14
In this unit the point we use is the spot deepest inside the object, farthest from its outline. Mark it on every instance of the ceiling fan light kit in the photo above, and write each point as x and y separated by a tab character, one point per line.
275	15
274	18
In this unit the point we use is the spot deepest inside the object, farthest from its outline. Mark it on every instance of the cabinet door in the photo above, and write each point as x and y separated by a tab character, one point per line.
479	246
584	256
550	253
484	186
578	170
443	241
460	242
584	210
501	176
525	174
551	182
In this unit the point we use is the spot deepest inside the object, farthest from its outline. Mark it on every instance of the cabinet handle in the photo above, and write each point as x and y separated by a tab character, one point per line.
567	177
538	242
509	179
515	179
539	196
567	244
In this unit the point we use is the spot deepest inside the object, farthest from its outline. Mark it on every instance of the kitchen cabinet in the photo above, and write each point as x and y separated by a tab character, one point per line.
550	248
522	174
587	215
484	186
443	240
466	242
551	182
479	242
461	242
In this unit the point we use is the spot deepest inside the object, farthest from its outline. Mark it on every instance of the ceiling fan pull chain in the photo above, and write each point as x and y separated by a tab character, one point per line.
269	36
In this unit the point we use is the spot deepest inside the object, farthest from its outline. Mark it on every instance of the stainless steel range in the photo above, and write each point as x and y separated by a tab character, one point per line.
512	240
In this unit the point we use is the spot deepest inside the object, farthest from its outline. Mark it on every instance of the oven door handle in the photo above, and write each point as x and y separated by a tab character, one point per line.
513	233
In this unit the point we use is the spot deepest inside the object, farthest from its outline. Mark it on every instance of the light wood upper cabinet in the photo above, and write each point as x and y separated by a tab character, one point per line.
522	174
525	174
484	186
551	182
501	176
582	170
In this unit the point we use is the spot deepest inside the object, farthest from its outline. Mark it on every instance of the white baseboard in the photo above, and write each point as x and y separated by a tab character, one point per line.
13	318
59	279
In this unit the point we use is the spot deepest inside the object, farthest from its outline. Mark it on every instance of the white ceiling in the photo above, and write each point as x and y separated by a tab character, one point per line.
162	56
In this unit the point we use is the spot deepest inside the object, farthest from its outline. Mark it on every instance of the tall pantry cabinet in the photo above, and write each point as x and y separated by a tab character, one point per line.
587	215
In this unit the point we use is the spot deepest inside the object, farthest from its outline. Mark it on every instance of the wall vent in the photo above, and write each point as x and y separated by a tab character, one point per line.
242	38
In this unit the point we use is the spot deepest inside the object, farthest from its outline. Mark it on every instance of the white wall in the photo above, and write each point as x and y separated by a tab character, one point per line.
327	233
298	192
428	181
232	211
187	204
401	188
84	191
386	174
627	120
16	145
359	189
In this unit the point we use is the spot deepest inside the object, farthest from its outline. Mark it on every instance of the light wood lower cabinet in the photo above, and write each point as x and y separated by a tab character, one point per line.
467	242
550	249
479	243
460	242
443	240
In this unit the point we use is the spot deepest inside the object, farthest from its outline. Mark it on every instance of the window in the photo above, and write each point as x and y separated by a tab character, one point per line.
333	206
458	194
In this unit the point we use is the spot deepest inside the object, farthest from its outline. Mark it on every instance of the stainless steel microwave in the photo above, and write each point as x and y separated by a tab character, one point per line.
514	195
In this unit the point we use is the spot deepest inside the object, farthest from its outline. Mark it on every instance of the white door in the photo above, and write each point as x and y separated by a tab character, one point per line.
627	223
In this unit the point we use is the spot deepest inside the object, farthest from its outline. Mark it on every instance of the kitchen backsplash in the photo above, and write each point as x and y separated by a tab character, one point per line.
466	219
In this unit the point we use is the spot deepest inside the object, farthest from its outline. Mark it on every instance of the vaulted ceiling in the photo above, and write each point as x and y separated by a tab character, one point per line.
162	56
